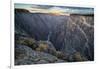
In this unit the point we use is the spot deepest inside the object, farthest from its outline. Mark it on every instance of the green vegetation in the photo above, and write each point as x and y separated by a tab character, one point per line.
28	42
78	57
42	47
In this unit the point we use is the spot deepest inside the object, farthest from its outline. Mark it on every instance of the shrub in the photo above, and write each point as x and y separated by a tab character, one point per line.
28	42
78	57
42	47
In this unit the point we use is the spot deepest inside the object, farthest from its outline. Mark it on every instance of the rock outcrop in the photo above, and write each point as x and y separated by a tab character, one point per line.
70	38
25	55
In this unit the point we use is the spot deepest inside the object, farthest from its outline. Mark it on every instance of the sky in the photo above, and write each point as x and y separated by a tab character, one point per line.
51	9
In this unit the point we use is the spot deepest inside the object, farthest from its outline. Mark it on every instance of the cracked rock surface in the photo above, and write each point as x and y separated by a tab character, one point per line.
56	38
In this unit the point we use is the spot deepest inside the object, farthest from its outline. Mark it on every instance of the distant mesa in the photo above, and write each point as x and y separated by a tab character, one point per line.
22	10
82	14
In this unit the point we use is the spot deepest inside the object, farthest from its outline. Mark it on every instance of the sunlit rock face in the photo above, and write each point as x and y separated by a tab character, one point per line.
68	34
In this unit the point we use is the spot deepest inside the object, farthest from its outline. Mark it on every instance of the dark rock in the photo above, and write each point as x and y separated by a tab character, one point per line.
21	11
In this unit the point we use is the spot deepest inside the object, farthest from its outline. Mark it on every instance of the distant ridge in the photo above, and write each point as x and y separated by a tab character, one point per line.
21	10
69	14
83	14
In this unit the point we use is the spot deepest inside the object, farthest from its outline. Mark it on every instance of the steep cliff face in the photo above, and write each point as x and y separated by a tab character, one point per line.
68	34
